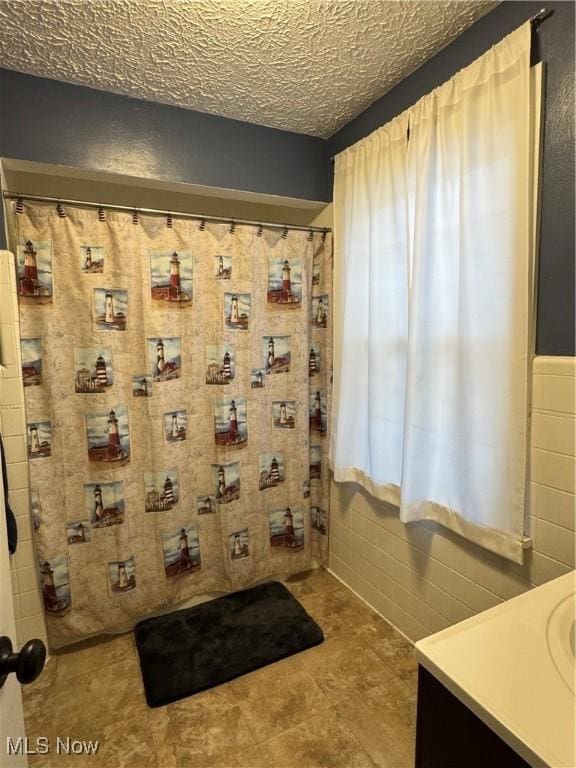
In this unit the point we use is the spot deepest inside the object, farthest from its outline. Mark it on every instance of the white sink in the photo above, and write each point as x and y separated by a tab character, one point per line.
561	639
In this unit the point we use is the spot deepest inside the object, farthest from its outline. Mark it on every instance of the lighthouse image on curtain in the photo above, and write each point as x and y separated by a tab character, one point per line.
34	264
238	544
39	439
92	369
142	385
104	503
319	311
108	435
237	307
257	378
285	281
78	531
175	424
206	505
272	469
318	520
122	575
161	490
31	351
222	267
287	528
284	414
317	412
315	462
220	363
276	354
230	422
110	307
92	259
314	359
181	550
171	276
165	358
55	582
226	478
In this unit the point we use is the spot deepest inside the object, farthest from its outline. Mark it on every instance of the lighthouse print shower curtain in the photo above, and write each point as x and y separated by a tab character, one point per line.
177	379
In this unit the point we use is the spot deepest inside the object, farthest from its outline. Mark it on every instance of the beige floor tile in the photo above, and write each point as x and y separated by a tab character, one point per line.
93	656
375	632
298	584
349	608
228	757
343	668
124	741
87	703
383	720
323	741
392	648
411	680
278	694
208	728
322	581
253	758
45	680
319	607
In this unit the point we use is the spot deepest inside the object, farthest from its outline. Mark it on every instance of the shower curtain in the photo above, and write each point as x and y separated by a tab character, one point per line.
177	378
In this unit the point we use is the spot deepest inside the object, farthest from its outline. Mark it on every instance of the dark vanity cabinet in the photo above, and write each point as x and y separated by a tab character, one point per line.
449	735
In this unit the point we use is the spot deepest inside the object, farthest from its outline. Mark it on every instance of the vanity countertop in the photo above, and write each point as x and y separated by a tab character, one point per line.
513	666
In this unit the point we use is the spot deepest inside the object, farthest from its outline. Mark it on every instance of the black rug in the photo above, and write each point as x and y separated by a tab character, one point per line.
191	650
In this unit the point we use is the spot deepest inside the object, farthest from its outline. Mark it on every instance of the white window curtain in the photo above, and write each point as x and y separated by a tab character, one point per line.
371	324
459	324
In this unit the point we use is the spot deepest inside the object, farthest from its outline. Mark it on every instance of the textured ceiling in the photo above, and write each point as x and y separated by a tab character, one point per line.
301	65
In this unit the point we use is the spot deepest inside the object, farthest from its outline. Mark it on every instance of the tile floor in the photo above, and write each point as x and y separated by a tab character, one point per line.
348	703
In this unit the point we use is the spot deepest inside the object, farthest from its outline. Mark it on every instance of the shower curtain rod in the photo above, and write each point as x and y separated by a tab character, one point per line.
157	212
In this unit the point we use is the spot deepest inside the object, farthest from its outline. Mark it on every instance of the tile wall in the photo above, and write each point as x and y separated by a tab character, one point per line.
27	601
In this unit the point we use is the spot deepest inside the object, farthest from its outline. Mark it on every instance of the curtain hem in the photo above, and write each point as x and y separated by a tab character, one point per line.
387	492
506	545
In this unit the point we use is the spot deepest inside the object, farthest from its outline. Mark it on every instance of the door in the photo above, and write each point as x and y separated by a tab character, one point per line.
11	714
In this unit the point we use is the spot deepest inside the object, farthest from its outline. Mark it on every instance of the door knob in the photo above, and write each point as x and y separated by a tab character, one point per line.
27	664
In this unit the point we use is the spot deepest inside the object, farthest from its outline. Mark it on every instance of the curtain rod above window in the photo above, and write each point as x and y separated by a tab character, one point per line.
60	201
535	20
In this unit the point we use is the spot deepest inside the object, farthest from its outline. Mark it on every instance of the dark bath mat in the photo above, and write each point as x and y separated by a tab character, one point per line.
189	651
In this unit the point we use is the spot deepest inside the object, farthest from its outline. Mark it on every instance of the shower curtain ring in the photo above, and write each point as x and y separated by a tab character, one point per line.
101	214
310	236
260	230
232	227
202	225
285	232
169	221
19	205
60	209
135	217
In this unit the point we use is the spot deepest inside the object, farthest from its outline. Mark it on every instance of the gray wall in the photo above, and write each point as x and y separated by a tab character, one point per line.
554	44
53	122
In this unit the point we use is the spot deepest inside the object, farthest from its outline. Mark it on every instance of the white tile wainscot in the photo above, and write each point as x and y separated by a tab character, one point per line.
25	585
421	577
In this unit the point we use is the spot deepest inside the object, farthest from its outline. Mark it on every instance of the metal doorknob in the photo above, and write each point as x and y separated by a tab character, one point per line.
27	664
